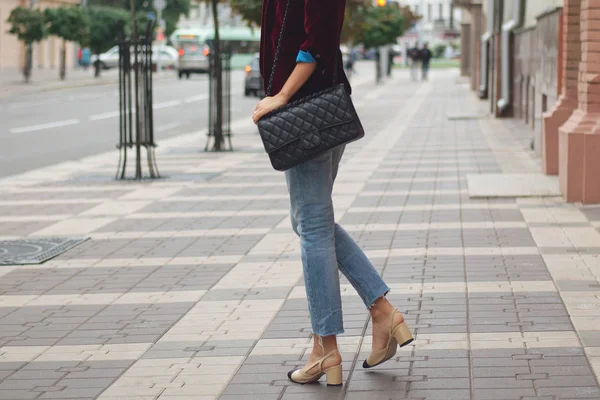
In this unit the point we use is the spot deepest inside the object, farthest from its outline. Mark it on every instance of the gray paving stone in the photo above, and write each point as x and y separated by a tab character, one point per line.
499	362
378	395
22	384
562	370
96	373
262	396
252	389
557	351
259	376
499	372
590	338
581	392
441	363
443	383
378	382
504	394
87	383
73	393
444	394
37	374
501	383
566	381
312	396
559	361
18	394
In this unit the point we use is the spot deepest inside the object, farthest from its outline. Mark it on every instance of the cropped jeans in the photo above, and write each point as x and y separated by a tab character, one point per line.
326	246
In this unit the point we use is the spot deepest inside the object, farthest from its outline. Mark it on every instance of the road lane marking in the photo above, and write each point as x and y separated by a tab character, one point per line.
167	104
167	127
158	106
49	125
107	115
193	99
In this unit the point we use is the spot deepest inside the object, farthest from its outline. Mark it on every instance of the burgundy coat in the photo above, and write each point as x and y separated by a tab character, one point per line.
312	25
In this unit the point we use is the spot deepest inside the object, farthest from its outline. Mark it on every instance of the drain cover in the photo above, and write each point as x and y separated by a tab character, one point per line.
35	251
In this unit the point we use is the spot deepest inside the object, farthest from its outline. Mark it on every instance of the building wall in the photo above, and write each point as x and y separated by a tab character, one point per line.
533	8
45	53
431	27
536	72
10	47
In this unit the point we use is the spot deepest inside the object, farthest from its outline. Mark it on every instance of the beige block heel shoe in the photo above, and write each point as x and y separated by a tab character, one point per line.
399	335
312	373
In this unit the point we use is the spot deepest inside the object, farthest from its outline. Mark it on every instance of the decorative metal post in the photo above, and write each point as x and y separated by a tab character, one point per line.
136	113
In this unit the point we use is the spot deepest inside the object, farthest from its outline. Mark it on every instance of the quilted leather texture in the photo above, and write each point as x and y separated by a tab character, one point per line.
309	127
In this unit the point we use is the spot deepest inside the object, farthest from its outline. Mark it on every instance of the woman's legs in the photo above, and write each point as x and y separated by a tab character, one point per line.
325	244
325	247
310	185
357	268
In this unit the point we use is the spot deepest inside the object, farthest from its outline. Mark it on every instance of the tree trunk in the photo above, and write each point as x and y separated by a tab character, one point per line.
97	67
63	60
218	71
28	63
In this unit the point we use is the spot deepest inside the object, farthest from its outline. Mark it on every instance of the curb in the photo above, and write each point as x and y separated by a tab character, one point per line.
75	85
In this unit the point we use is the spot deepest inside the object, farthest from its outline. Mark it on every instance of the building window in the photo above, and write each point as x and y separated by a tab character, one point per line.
429	12
441	12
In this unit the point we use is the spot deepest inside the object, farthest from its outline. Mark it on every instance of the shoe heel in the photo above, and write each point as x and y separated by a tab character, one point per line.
334	376
402	334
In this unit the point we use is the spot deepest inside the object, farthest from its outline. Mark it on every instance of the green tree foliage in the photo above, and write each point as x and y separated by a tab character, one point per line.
250	10
29	27
173	10
382	26
360	22
28	24
439	50
71	24
104	25
354	21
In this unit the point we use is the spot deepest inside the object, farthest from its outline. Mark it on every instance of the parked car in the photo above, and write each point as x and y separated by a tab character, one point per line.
253	84
193	59
110	59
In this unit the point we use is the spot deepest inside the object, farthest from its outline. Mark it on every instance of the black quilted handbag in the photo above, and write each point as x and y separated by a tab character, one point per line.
311	126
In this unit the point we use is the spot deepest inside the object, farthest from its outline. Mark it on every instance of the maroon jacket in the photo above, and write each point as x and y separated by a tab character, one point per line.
312	25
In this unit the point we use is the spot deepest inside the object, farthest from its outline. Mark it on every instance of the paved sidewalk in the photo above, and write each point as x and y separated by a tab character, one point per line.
191	287
12	82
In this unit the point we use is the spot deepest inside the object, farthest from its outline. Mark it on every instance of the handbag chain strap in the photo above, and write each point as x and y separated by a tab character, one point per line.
278	51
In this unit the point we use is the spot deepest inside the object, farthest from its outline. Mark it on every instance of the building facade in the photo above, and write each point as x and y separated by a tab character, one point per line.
539	63
440	21
200	16
46	54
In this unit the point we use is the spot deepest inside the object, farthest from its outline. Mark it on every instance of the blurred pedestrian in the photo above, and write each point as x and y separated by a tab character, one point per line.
86	57
425	56
414	56
308	61
378	75
391	55
350	61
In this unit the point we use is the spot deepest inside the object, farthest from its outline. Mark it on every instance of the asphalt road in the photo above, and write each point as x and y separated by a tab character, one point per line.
52	127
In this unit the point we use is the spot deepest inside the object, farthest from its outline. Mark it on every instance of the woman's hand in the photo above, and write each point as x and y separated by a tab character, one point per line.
267	105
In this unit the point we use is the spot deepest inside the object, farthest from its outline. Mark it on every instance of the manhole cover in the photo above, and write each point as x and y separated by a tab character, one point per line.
35	251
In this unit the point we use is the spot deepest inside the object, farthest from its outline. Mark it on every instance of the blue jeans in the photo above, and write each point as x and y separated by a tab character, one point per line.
326	246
